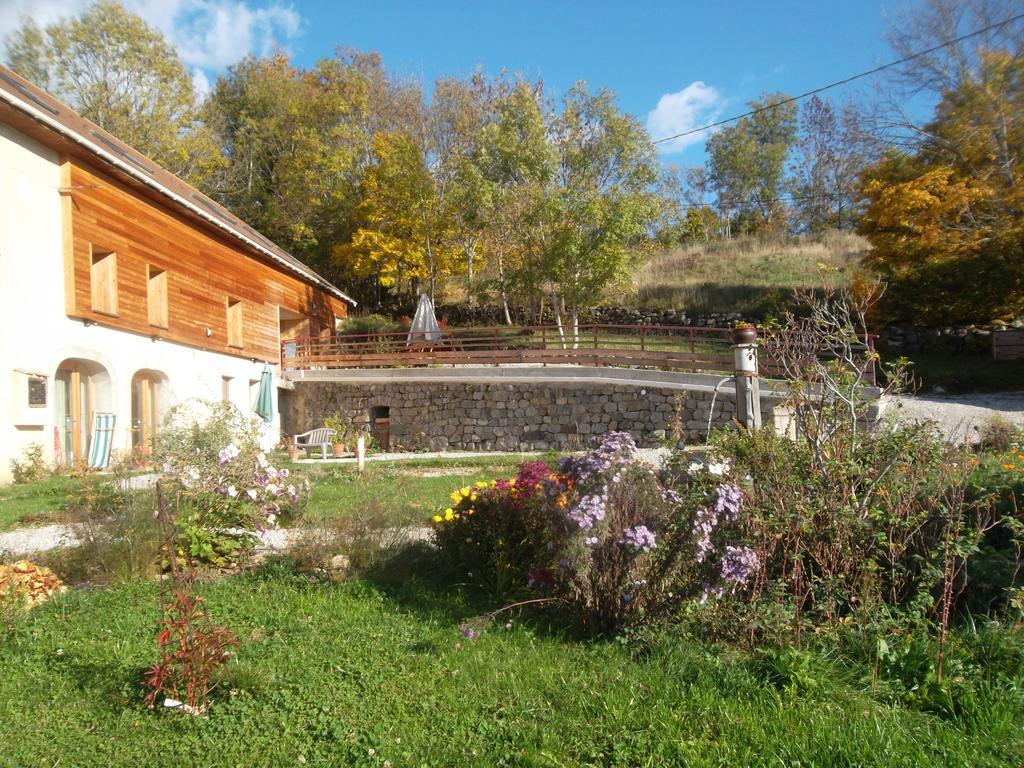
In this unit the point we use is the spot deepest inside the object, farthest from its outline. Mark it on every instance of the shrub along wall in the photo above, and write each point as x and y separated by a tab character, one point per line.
442	416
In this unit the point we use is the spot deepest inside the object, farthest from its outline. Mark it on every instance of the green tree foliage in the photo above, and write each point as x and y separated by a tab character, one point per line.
298	142
601	199
747	164
516	162
120	73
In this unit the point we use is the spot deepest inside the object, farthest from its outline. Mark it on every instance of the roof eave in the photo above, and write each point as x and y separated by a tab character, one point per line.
127	168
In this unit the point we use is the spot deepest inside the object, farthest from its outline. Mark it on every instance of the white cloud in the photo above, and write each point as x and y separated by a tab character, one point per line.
209	34
200	82
693	106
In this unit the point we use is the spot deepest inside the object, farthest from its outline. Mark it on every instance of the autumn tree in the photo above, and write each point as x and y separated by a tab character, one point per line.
702	223
120	73
945	214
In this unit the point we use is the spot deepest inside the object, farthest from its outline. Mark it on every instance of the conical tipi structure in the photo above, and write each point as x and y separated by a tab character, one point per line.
424	323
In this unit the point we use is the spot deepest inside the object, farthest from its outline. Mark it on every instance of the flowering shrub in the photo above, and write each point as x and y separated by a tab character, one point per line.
495	534
603	534
225	485
636	547
875	534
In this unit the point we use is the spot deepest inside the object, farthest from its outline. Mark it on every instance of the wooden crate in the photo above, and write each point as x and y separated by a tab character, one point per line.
1008	345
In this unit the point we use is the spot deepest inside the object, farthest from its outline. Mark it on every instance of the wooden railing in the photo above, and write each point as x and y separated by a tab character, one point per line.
667	348
643	346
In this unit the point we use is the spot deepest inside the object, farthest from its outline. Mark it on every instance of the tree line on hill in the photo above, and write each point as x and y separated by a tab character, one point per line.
495	188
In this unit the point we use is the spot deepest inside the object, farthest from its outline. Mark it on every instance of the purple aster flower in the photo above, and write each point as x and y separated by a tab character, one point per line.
728	499
738	565
639	537
589	509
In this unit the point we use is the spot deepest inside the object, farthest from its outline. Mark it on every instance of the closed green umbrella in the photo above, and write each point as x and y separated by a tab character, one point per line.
265	397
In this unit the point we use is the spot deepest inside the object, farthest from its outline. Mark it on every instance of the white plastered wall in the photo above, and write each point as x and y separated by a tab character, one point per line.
36	335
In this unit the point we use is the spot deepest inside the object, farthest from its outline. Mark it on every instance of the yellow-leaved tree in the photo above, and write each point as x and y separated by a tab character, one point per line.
404	238
946	223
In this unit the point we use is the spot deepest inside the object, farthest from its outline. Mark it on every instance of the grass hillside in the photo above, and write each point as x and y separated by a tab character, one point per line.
746	275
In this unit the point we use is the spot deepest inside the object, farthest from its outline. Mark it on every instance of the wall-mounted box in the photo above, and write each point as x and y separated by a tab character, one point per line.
30	392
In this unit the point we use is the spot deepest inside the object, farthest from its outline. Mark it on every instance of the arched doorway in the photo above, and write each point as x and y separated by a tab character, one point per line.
146	395
81	389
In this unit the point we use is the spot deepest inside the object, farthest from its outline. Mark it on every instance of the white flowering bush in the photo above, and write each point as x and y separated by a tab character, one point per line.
225	486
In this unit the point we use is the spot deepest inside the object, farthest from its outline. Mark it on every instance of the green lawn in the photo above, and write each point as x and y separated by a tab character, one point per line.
36	503
374	673
405	493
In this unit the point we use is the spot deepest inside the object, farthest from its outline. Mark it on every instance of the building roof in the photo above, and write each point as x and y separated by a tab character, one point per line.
63	121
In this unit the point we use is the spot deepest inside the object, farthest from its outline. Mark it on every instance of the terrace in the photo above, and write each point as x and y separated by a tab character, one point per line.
700	350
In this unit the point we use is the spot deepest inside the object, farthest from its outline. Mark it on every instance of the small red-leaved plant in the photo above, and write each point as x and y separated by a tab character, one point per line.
192	650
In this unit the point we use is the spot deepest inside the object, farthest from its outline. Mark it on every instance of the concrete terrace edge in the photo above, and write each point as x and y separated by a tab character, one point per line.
700	382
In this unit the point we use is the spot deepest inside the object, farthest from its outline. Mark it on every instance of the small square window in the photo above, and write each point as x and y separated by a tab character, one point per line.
235	323
103	282
156	296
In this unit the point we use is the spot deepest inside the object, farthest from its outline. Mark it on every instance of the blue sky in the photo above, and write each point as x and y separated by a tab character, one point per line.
697	60
704	61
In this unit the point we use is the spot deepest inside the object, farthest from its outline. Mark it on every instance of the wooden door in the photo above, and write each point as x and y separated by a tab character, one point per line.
144	413
73	411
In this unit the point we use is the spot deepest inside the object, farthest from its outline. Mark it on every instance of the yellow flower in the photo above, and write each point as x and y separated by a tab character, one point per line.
436	518
456	497
448	515
472	497
470	511
481	484
465	491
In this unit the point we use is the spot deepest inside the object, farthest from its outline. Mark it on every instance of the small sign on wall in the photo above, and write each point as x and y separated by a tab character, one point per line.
30	398
36	391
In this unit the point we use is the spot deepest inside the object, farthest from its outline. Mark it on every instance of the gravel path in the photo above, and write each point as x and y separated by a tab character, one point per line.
959	417
29	541
26	541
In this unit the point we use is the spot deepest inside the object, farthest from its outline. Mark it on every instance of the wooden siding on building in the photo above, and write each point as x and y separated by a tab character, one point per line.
203	271
1008	345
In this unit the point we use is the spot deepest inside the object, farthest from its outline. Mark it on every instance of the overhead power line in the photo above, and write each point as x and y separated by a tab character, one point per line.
845	80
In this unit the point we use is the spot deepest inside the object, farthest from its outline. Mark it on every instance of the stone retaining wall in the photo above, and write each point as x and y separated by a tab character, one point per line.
442	416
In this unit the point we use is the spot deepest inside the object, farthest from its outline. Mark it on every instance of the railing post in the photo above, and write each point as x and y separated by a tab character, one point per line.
748	390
